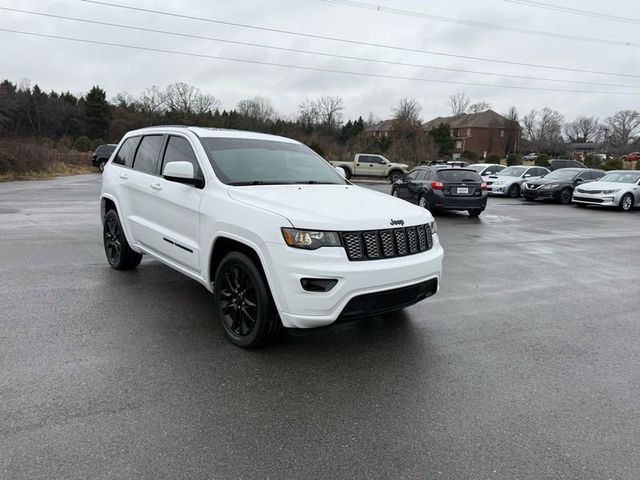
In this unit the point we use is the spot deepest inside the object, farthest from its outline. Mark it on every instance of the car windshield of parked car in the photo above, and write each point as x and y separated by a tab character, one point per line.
562	174
478	168
512	172
459	175
620	177
239	161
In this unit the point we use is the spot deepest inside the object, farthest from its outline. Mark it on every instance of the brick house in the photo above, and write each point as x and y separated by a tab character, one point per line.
380	129
484	133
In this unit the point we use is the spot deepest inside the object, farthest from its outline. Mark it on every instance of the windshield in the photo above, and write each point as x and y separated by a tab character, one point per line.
478	168
512	172
241	161
561	175
620	177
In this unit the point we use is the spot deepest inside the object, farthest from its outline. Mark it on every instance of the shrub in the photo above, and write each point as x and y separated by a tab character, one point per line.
82	144
469	155
542	160
514	159
612	164
96	143
493	158
592	161
26	156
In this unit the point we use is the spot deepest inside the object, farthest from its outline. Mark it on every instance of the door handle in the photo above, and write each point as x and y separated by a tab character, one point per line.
156	186
124	176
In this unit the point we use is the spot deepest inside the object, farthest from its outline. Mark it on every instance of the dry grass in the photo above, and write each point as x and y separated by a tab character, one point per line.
29	158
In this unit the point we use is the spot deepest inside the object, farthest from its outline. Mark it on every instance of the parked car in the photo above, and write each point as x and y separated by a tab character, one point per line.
267	226
618	188
440	189
530	157
558	163
509	181
631	157
559	184
101	155
486	169
374	166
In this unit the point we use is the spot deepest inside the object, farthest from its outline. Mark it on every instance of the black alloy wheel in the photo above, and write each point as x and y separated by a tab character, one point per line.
119	254
565	196
514	191
244	304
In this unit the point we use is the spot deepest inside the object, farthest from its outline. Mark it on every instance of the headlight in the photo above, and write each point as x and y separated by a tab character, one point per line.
611	191
310	239
434	227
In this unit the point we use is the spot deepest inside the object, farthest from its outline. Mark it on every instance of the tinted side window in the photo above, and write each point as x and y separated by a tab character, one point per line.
148	153
126	152
459	175
372	159
422	174
179	150
413	175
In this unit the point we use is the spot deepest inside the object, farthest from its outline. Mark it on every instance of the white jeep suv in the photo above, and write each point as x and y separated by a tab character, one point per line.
269	227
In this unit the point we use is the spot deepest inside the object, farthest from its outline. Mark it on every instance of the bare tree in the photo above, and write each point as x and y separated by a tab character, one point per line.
510	141
152	103
187	99
256	108
458	103
623	127
543	128
583	129
330	111
479	107
407	114
308	114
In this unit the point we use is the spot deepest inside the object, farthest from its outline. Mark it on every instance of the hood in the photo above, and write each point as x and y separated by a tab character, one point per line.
331	207
604	186
544	181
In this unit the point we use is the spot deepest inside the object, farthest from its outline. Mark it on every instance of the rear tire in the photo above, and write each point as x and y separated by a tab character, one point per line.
243	302
119	254
626	202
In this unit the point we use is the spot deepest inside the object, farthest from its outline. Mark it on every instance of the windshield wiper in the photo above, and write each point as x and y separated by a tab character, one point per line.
257	182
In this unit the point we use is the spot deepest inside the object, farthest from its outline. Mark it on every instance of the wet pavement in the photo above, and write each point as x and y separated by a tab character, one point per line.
525	365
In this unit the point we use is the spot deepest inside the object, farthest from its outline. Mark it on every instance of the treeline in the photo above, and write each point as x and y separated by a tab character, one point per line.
91	119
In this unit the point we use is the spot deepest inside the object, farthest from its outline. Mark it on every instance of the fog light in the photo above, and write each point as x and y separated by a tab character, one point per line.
318	284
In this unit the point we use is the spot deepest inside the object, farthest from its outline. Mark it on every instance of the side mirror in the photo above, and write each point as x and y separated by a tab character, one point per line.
579	180
342	172
182	172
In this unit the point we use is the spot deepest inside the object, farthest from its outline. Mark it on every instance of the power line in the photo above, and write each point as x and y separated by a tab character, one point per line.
575	11
357	42
475	24
312	69
311	52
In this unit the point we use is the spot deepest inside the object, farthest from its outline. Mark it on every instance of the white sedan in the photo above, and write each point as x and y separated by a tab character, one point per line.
509	181
619	188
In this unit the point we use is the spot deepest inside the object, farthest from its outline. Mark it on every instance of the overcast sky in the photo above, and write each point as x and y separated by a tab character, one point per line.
64	65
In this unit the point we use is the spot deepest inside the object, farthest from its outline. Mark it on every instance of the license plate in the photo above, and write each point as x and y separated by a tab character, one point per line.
462	190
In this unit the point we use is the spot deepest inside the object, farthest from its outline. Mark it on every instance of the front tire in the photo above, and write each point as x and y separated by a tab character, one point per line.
119	254
395	176
565	196
626	202
243	302
514	191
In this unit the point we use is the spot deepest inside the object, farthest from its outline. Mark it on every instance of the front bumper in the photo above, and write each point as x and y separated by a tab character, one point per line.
498	189
604	200
299	308
540	193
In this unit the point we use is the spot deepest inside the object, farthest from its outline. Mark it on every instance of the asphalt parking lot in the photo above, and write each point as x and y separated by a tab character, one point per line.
526	365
